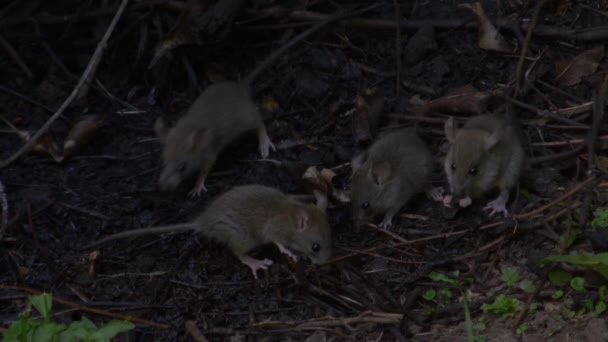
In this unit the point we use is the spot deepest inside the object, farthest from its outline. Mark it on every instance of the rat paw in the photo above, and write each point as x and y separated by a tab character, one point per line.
287	252
465	202
386	224
447	201
197	191
256	264
265	146
496	206
436	194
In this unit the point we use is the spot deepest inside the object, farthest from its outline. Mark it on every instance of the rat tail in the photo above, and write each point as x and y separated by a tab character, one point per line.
273	56
175	228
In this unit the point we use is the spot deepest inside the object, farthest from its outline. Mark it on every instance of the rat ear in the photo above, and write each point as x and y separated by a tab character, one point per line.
161	129
357	161
380	172
490	140
301	220
321	200
199	138
450	129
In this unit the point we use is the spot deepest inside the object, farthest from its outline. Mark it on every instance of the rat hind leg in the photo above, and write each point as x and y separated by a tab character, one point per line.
265	144
255	264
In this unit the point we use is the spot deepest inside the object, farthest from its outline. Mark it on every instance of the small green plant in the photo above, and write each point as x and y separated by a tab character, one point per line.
45	329
521	329
557	295
597	262
578	284
429	294
502	305
600	218
559	278
510	277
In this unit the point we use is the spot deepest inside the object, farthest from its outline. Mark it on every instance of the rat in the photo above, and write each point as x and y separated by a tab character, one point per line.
249	216
224	111
486	153
394	168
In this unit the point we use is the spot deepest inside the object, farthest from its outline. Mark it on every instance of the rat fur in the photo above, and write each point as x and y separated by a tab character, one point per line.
394	168
486	153
247	217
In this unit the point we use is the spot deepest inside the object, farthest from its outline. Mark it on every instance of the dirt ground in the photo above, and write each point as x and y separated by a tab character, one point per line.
319	103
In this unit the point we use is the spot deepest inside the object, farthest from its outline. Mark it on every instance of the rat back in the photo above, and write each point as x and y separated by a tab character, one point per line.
394	168
486	153
219	115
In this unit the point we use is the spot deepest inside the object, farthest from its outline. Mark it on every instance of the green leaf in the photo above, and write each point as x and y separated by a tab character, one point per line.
598	262
557	294
445	295
527	286
429	294
48	331
510	277
468	322
521	329
435	276
602	292
600	308
479	327
43	304
559	278
578	284
601	218
567	240
111	329
19	330
502	305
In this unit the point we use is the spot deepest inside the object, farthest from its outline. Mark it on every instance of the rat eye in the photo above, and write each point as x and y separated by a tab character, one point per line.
473	170
316	247
365	205
453	166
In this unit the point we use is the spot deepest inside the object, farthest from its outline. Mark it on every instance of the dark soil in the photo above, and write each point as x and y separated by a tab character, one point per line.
111	184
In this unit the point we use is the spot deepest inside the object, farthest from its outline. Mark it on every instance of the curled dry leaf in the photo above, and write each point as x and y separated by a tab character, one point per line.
466	99
322	181
367	115
81	133
93	258
585	64
489	37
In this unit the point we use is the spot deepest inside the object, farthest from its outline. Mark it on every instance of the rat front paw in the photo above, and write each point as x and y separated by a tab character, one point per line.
197	190
436	194
386	223
287	252
256	264
496	206
265	146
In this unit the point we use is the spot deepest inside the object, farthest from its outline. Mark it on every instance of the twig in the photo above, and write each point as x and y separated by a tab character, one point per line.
86	308
195	332
95	59
524	50
398	47
4	204
15	56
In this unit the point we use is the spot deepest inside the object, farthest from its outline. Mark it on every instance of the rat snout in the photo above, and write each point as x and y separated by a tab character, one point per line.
322	257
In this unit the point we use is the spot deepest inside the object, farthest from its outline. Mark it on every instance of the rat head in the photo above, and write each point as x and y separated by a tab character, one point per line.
372	192
313	234
184	152
468	165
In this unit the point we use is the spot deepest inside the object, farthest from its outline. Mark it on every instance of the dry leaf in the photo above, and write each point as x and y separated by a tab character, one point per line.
270	105
466	99
81	133
321	180
581	66
181	34
489	37
93	258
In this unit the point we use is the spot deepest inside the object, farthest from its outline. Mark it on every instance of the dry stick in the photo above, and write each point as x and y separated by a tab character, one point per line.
93	63
86	308
524	50
398	48
4	204
15	56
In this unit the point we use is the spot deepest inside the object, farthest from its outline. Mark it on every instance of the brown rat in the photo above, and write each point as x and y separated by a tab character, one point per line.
249	216
486	153
219	115
394	168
